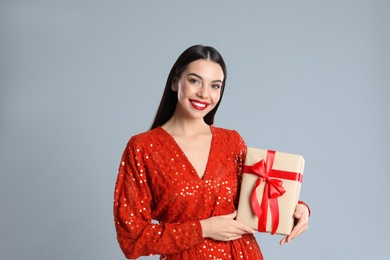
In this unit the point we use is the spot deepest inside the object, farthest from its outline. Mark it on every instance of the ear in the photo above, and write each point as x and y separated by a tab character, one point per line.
174	84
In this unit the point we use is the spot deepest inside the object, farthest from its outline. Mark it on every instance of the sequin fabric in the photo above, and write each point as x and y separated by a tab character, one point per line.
159	198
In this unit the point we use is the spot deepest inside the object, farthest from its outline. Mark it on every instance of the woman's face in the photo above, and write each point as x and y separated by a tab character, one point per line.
198	88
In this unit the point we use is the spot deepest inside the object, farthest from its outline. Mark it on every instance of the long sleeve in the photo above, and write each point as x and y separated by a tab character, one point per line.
133	211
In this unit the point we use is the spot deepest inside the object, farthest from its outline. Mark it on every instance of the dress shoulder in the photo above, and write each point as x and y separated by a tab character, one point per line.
142	138
230	139
229	133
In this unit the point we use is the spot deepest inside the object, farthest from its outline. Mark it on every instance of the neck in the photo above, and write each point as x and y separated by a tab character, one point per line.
183	127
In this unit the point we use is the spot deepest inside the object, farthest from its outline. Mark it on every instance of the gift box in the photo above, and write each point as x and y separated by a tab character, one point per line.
270	188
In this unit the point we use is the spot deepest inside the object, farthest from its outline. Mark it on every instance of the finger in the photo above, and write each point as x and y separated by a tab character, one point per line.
239	228
244	228
302	216
290	237
296	232
298	214
239	231
283	241
302	222
298	229
301	210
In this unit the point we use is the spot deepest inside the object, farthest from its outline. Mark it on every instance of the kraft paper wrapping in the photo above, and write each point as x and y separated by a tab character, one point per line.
287	202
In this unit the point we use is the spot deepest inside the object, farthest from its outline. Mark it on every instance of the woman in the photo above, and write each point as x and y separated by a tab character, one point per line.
185	173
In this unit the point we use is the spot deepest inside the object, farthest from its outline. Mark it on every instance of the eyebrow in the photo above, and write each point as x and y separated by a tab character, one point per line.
198	76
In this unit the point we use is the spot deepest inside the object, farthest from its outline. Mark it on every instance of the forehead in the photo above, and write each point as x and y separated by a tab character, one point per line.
205	68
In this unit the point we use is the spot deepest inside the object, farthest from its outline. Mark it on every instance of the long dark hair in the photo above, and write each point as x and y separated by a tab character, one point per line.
169	99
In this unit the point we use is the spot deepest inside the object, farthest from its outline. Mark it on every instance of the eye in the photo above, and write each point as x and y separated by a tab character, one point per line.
216	86
194	81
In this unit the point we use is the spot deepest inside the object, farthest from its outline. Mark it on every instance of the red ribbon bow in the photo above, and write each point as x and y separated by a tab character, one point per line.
272	190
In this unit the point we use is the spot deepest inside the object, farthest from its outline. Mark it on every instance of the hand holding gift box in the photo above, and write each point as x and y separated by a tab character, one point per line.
270	189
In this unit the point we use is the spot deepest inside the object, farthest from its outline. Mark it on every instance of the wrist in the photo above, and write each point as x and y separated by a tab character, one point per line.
203	225
307	206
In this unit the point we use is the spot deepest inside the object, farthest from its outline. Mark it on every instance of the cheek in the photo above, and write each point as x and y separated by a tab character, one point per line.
182	93
215	96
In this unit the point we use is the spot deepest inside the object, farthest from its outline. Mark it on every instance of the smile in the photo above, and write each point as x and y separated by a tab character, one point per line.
199	105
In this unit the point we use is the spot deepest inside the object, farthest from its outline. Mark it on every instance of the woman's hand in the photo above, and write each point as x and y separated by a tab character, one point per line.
302	215
224	228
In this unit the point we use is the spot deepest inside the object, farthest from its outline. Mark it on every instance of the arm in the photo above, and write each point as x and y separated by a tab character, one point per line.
133	214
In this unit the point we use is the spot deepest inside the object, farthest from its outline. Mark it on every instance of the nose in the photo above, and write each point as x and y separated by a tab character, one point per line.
203	92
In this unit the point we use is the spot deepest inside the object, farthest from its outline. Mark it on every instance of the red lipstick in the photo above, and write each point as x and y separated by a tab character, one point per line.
199	105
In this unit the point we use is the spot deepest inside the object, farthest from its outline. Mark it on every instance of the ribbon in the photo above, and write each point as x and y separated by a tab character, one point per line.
273	189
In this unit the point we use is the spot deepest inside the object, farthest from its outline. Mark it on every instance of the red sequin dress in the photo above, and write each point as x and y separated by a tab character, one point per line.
159	198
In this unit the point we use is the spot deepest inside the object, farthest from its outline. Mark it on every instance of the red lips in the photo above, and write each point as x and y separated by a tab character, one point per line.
199	105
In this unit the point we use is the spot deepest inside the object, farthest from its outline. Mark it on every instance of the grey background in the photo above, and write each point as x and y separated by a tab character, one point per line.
78	78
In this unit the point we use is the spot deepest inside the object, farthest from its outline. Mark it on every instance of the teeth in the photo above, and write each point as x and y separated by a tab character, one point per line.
198	104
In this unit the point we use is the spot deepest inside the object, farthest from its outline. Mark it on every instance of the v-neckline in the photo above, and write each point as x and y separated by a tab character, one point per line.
185	156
